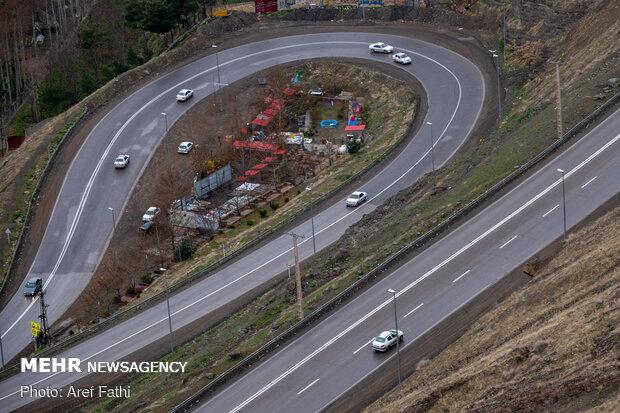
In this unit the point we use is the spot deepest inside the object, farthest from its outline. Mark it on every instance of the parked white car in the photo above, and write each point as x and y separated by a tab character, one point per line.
150	214
386	340
184	94
121	161
401	58
381	48
356	198
185	147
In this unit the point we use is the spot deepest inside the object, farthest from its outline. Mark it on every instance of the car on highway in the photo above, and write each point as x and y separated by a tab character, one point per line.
33	287
356	198
381	48
150	214
121	161
401	58
386	340
184	94
185	147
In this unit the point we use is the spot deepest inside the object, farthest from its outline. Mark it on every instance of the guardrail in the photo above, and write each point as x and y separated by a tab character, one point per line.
380	269
50	163
262	236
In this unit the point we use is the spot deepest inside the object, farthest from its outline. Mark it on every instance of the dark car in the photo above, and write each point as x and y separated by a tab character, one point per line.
33	287
146	227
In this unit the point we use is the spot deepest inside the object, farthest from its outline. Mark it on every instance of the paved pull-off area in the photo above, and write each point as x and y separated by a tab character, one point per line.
81	225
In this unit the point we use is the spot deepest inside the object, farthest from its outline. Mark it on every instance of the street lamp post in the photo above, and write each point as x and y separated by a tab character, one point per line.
499	95
398	337
312	218
561	171
165	120
1	351
162	271
430	126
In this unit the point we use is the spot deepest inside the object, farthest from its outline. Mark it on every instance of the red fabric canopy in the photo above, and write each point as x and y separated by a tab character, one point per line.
354	128
260	166
251	172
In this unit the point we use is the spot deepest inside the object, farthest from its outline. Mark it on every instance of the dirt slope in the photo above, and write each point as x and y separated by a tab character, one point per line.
553	346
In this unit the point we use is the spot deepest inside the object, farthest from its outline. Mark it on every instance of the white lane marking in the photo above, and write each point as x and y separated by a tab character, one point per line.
363	346
423	277
411	312
551	210
508	242
92	178
589	182
307	387
461	276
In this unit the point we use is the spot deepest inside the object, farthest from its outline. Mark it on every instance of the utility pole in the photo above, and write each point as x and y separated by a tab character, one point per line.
300	299
165	121
8	236
499	88
44	338
559	96
430	126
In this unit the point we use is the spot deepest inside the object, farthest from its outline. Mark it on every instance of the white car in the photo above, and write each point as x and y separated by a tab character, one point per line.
387	339
381	48
150	214
184	94
185	147
121	161
356	198
401	58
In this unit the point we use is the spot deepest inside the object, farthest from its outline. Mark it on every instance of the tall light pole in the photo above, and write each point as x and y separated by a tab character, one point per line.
499	86
398	337
312	218
162	271
561	171
430	126
1	351
113	217
165	120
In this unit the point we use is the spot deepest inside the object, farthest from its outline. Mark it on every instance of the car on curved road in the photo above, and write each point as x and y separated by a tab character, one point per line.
401	58
185	147
33	287
184	94
386	340
356	198
121	161
381	48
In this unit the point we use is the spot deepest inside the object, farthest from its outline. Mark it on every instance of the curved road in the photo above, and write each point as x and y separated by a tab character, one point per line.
80	226
322	364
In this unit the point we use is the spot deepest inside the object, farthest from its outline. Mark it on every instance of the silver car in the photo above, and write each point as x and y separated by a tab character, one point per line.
121	161
356	198
386	340
381	48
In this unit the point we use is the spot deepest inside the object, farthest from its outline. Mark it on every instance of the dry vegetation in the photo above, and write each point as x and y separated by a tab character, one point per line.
557	348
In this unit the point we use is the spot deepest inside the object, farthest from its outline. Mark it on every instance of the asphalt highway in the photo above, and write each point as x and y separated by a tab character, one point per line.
81	225
322	364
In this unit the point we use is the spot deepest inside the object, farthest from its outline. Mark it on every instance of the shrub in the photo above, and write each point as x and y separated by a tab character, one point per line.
131	290
286	200
146	279
250	223
184	251
262	213
274	205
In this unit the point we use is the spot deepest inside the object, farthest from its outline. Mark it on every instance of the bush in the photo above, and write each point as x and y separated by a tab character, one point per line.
262	213
131	290
274	205
183	251
286	200
146	279
250	223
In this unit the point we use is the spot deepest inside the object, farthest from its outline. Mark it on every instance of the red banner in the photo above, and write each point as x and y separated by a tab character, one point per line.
265	6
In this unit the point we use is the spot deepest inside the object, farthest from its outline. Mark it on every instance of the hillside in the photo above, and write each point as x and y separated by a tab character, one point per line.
552	346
